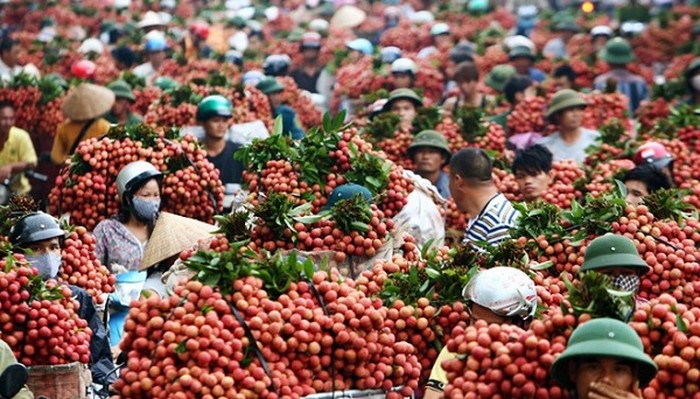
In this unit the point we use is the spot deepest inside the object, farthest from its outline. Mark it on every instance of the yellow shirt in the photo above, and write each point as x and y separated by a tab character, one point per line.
7	358
67	132
18	148
438	376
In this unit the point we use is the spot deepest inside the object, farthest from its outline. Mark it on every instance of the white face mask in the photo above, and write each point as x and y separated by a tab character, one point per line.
695	82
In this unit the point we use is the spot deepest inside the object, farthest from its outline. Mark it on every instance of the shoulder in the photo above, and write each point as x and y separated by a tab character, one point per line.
20	136
548	139
109	224
103	123
591	133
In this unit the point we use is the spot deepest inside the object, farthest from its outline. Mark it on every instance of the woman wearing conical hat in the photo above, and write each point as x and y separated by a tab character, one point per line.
84	108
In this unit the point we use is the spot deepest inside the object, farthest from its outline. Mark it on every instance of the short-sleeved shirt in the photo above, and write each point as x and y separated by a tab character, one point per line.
230	170
306	82
632	86
68	131
555	48
18	148
117	245
443	185
562	151
492	224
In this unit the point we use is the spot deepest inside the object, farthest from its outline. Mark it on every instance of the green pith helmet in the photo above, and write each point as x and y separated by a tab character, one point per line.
403	94
347	191
165	83
433	139
269	85
212	106
567	24
603	337
564	99
617	51
521	52
121	89
613	250
499	75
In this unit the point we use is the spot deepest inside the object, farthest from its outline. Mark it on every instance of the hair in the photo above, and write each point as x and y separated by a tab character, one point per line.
514	85
6	43
472	164
461	53
650	176
466	72
533	160
124	213
565	70
257	33
124	55
7	104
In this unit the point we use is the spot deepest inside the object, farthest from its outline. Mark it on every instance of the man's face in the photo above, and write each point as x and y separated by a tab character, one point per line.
636	191
443	41
7	119
521	64
156	57
561	83
276	99
11	56
405	110
310	54
216	127
121	106
354	56
428	160
571	118
604	376
450	69
478	312
599	42
532	185
52	245
468	87
401	80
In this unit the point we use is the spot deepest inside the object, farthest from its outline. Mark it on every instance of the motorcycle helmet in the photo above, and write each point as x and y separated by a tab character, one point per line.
506	291
34	227
83	69
212	106
276	65
135	175
653	153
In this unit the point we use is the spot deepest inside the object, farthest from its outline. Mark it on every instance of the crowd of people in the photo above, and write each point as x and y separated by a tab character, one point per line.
604	358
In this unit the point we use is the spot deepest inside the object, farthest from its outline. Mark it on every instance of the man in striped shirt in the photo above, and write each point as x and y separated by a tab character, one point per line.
474	192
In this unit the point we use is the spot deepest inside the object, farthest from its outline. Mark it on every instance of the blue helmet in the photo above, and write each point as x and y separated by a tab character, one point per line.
155	44
362	45
389	54
252	78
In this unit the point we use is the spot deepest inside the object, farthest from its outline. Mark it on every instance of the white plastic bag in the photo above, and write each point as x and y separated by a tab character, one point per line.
421	217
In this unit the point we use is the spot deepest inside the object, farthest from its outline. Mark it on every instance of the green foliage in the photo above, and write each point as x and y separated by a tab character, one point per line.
537	218
471	122
594	295
278	212
597	215
368	170
314	160
352	214
383	126
669	204
426	118
234	225
257	155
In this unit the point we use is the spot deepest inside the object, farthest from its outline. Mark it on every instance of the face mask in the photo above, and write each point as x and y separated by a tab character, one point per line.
47	264
626	283
695	82
145	210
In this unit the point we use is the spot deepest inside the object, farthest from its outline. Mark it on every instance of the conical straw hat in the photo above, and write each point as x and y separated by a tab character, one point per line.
87	101
172	235
348	17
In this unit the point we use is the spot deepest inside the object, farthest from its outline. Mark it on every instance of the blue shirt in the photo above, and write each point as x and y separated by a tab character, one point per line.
443	185
632	86
536	75
290	125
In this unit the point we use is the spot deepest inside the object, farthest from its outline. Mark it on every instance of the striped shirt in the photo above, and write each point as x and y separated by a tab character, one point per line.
493	223
632	86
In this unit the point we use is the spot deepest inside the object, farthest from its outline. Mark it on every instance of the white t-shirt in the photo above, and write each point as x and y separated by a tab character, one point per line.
576	151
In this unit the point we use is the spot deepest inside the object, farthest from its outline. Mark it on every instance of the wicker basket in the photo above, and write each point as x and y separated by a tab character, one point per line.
58	382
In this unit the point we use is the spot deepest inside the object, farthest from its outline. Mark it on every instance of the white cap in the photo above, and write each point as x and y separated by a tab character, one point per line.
404	65
165	17
517	41
91	45
602	30
31	70
527	11
238	41
151	18
422	17
440	28
246	12
506	291
318	25
46	34
392	11
272	13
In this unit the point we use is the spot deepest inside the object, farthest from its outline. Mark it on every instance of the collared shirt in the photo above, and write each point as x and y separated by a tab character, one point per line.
18	148
115	244
493	223
562	151
443	185
632	86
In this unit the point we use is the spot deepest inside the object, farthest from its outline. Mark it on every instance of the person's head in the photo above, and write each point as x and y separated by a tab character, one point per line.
429	152
617	53
403	72
155	49
310	46
123	97
40	236
657	155
564	77
499	76
462	52
273	89
471	171
522	59
566	109
276	65
567	28
442	38
692	76
9	51
532	168
138	187
200	31
389	54
599	36
214	115
603	354
7	117
518	88
642	181
617	257
359	48
404	103
124	57
467	77
501	295
256	41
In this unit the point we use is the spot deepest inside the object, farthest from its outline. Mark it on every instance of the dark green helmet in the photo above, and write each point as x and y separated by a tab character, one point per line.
212	106
433	139
613	250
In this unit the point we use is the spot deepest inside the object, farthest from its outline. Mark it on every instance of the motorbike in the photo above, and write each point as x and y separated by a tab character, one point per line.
6	185
12	380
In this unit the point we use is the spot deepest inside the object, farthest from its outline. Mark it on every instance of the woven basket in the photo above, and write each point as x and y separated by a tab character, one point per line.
58	382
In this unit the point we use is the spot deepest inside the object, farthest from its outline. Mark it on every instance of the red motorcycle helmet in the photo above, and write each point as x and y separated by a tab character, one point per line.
653	153
200	29
83	69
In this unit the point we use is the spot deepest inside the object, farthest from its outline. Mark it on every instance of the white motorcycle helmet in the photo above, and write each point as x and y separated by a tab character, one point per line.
506	291
134	175
404	65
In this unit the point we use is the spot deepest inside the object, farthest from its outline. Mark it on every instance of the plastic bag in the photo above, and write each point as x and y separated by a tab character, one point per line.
422	217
